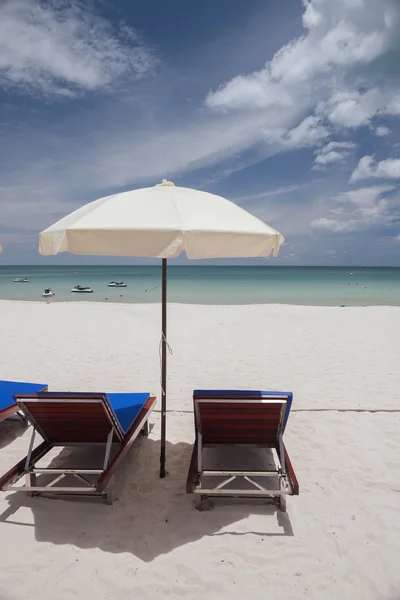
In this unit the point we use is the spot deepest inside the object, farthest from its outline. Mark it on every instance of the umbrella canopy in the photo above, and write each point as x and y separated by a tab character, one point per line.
162	222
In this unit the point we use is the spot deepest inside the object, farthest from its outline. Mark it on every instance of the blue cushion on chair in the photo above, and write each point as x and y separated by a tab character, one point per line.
127	407
9	388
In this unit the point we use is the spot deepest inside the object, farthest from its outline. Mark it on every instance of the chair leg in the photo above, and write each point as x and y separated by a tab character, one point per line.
202	503
282	503
31	482
145	429
110	492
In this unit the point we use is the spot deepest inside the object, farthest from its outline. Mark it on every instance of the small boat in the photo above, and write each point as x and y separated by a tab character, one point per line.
117	284
48	292
21	280
82	289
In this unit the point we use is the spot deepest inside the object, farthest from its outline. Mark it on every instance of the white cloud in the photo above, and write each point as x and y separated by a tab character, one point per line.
334	225
311	17
341	35
27	205
109	158
352	108
393	105
382	130
338	146
135	155
330	157
61	48
285	189
328	74
308	133
359	210
85	54
397	238
367	201
363	196
267	110
368	168
332	152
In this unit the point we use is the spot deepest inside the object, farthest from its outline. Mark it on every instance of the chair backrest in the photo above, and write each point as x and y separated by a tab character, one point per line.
70	417
240	417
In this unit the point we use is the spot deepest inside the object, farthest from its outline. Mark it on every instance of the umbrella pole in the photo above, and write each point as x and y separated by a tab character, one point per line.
163	367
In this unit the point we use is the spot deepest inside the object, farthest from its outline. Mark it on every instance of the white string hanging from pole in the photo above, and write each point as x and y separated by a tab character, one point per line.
163	339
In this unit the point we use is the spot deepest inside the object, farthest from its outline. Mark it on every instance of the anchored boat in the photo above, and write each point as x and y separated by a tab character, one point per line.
48	292
82	289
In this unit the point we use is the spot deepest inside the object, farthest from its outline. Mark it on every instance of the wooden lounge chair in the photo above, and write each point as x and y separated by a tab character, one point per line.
78	419
241	427
8	405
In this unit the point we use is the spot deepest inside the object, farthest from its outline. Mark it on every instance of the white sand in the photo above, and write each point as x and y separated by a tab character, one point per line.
341	536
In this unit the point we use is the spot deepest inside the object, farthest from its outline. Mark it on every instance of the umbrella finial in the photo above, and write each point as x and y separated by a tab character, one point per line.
167	183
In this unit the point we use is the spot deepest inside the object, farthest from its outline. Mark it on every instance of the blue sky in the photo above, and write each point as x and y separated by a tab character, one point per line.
290	109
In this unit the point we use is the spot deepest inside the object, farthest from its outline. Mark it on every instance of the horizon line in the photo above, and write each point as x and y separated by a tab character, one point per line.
196	265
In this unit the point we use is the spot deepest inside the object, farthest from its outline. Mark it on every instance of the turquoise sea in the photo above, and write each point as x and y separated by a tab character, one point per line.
324	286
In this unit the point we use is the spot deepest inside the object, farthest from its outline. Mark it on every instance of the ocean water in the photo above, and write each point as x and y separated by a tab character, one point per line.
322	286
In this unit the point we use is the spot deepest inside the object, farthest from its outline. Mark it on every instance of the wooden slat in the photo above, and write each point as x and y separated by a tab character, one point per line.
51	416
69	422
126	445
239	422
236	405
62	395
46	408
218	420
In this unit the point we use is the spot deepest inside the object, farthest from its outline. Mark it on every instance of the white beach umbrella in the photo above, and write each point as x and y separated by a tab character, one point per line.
162	222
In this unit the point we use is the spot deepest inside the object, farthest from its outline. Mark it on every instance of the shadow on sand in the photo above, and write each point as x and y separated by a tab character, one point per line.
11	429
150	516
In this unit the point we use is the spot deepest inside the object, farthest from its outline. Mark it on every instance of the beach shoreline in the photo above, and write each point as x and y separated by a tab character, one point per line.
194	304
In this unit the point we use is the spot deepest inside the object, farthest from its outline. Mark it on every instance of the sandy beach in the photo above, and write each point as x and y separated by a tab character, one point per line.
340	537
